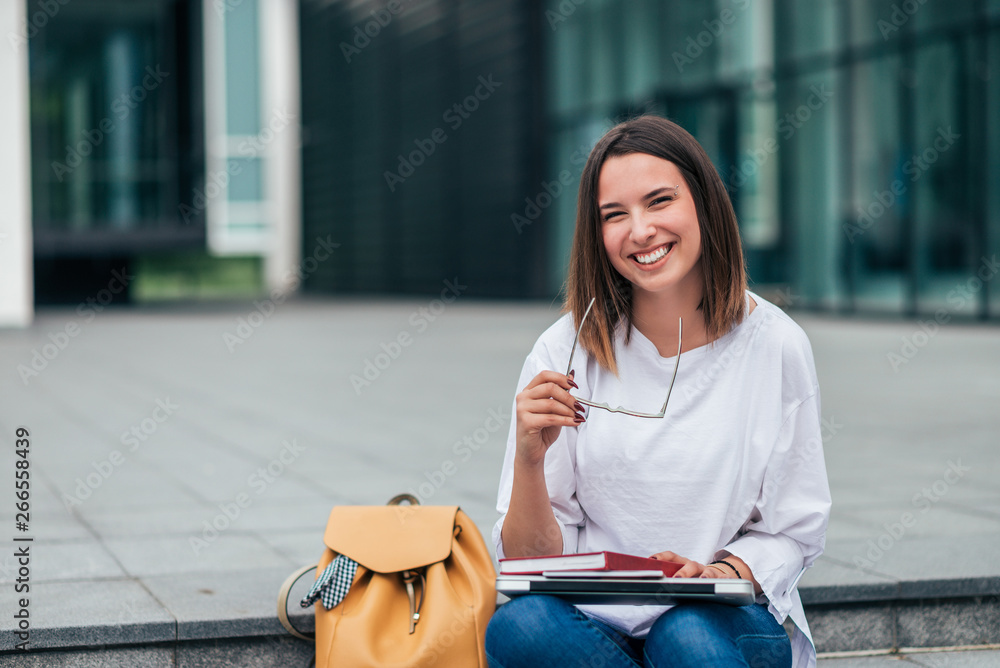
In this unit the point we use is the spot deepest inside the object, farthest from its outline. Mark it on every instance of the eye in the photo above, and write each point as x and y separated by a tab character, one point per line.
607	217
661	200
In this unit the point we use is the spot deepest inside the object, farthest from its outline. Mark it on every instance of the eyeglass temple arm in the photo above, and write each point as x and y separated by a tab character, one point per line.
569	367
677	363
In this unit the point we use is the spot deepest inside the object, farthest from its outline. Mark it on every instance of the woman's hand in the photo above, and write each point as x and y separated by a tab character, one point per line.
543	408
693	569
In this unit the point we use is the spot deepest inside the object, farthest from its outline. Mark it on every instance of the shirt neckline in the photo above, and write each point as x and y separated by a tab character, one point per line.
638	338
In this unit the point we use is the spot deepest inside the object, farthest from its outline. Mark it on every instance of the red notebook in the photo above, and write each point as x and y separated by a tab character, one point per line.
588	561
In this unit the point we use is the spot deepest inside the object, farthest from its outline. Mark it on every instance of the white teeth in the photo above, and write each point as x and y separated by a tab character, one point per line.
650	258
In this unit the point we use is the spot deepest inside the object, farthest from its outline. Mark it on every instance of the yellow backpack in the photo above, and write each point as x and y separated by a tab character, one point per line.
412	586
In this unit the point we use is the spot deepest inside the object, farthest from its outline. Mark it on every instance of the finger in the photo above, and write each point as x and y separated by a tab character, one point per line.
560	421
553	391
713	572
670	556
536	424
546	406
543	377
534	416
691	569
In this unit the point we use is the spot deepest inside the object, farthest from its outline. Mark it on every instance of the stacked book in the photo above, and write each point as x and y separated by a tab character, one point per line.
614	578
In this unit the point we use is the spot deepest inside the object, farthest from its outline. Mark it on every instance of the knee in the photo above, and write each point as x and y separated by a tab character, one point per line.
685	629
526	623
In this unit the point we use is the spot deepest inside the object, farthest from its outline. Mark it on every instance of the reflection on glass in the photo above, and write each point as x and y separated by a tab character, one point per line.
102	90
881	202
942	221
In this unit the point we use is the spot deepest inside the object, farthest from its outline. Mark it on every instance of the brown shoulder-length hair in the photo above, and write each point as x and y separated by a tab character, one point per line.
591	274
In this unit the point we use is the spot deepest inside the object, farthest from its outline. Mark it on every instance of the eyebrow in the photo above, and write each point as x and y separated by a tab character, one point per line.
649	195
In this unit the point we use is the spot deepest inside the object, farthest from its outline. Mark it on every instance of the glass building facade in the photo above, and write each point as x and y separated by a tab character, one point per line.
444	139
116	140
115	112
859	139
165	143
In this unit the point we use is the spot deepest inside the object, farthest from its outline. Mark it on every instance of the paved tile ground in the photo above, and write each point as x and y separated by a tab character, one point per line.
962	659
174	449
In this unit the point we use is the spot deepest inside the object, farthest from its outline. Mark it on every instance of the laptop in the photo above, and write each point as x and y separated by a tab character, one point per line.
628	590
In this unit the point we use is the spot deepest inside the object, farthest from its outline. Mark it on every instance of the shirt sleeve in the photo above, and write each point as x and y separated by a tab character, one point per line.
787	528
560	472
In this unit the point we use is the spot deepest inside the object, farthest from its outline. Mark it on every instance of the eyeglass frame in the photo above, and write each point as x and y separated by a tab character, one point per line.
620	409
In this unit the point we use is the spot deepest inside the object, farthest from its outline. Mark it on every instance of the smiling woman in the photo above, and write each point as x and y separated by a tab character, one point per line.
648	184
723	480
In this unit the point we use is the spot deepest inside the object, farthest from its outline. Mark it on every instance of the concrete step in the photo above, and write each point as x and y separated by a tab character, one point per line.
888	616
247	652
952	657
879	618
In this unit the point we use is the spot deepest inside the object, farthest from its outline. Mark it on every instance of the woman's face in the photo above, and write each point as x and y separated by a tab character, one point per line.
651	235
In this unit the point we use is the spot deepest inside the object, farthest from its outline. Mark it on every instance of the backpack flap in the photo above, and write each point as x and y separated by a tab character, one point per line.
390	539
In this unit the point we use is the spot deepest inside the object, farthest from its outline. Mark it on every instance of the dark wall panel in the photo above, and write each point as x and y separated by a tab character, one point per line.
379	84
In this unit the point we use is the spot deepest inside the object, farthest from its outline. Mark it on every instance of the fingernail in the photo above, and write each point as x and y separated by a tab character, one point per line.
570	381
579	419
578	407
572	372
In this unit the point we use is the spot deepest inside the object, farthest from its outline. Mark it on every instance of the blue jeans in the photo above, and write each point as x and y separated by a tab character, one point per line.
539	630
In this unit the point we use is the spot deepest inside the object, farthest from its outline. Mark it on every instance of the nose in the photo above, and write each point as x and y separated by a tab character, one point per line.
642	228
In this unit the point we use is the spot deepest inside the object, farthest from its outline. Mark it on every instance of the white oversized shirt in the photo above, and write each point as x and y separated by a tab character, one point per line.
736	465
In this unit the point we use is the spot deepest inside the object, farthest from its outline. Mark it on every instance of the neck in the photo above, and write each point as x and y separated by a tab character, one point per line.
656	315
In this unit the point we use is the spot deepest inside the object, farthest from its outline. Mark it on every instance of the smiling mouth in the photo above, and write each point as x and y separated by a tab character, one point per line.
654	255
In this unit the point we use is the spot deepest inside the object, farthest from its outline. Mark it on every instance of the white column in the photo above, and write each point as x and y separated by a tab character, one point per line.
280	90
16	262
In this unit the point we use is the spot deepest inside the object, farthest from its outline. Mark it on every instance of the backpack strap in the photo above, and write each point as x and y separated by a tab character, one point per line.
286	589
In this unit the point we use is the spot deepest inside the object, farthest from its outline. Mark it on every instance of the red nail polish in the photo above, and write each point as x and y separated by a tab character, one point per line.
579	419
570	381
578	407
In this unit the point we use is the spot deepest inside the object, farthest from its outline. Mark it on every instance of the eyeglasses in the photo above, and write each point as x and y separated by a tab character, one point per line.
663	410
